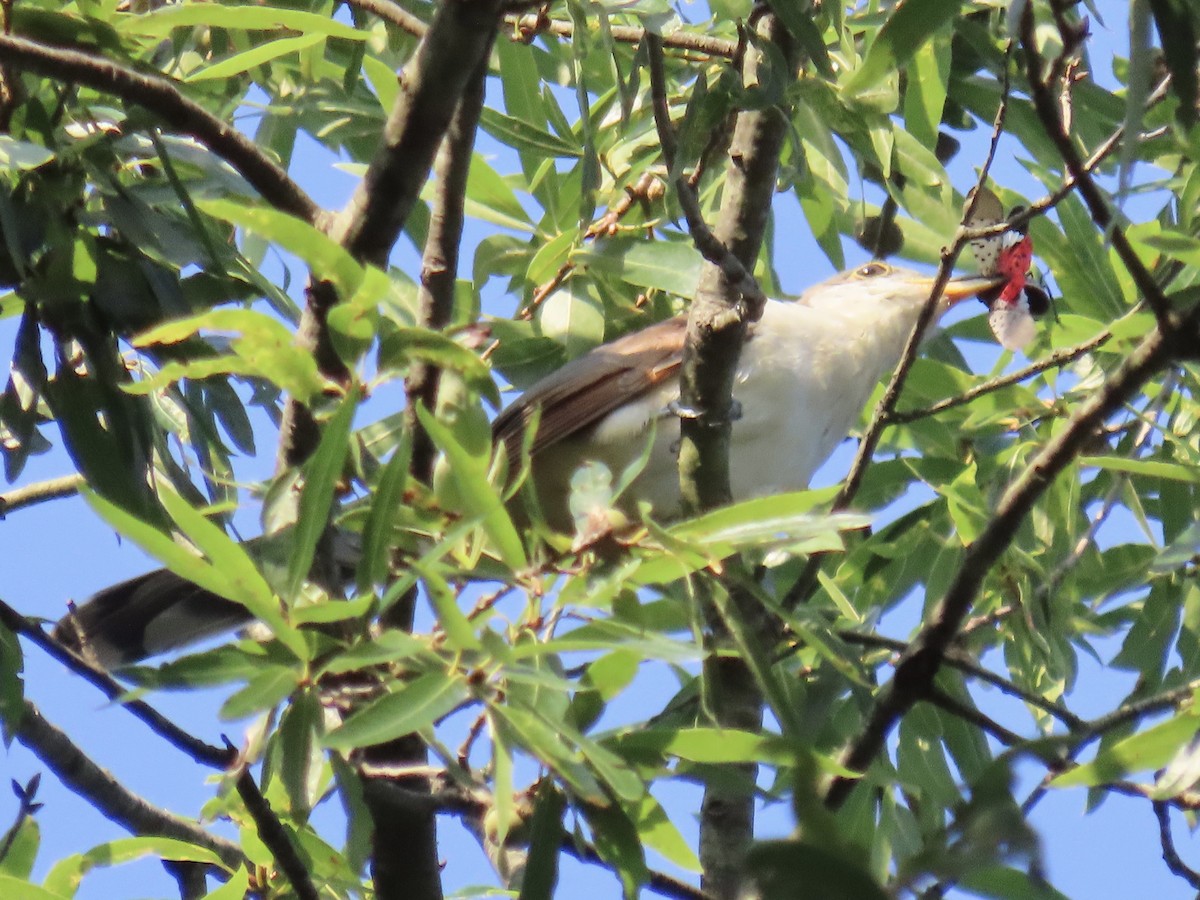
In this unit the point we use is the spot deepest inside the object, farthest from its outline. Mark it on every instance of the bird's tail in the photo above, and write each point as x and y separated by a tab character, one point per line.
161	611
144	616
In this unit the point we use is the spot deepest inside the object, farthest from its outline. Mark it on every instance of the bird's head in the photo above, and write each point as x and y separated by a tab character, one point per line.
877	288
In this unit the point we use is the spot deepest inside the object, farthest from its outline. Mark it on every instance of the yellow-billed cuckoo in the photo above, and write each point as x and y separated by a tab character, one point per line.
807	368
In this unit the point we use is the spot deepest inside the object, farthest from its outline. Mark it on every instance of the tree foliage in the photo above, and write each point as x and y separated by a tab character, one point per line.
182	309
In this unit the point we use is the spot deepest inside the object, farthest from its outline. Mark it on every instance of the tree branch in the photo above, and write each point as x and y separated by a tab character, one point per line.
727	300
967	664
165	100
530	25
104	792
439	263
198	750
368	226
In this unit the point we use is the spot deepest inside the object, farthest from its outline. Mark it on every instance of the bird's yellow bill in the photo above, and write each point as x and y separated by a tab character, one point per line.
966	286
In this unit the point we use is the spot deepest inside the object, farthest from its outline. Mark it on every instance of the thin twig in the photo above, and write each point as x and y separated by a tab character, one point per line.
1047	111
680	40
394	14
272	833
710	246
530	24
807	580
40	492
1055	360
1162	812
879	421
973	716
543	291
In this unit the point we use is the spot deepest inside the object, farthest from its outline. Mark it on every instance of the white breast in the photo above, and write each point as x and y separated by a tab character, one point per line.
802	381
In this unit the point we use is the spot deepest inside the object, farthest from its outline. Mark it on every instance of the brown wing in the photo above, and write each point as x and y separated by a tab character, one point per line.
587	389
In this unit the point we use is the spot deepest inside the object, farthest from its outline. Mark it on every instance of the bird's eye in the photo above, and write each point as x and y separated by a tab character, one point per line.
872	270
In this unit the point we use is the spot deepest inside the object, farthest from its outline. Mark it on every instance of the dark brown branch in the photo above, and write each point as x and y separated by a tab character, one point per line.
439	264
1055	360
1048	114
271	832
101	790
165	100
32	494
198	750
919	664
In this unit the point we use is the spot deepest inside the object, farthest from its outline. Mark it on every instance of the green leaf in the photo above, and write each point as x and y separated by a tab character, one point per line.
266	690
13	888
17	156
255	56
479	498
161	22
12	688
658	832
385	506
401	347
1176	23
925	91
264	348
711	745
298	726
616	839
907	30
21	848
460	633
573	317
1149	749
780	521
227	572
322	254
526	138
522	728
545	843
671	266
321	475
67	874
407	709
1147	467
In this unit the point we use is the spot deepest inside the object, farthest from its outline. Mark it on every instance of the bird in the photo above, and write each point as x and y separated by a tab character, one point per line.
806	370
